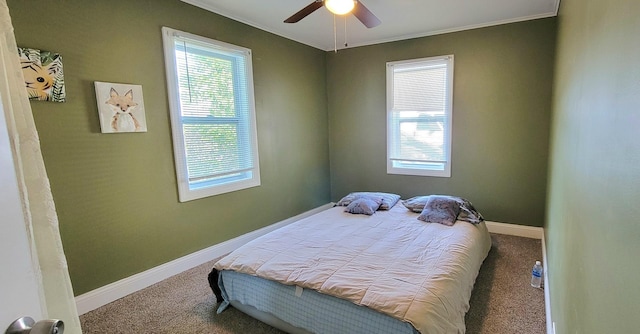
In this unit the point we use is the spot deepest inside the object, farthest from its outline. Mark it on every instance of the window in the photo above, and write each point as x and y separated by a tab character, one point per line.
212	108
419	95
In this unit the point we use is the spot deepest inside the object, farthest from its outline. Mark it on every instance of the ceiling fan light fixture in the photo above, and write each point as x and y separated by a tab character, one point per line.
340	7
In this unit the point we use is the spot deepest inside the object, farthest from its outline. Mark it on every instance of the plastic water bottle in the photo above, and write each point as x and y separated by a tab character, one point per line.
536	275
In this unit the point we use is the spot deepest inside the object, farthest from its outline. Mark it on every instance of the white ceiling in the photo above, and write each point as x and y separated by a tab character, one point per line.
401	19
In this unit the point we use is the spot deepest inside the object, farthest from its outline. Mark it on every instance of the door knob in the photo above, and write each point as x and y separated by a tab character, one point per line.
26	325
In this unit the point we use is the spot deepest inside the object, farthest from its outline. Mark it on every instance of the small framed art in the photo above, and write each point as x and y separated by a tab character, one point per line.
121	107
43	74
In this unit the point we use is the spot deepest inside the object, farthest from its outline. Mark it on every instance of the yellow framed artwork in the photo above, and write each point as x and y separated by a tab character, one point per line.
43	74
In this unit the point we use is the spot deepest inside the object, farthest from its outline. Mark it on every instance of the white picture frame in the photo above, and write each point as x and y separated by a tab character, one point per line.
120	107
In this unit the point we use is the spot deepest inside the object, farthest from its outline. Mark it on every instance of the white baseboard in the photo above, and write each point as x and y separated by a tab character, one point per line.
551	329
517	230
99	297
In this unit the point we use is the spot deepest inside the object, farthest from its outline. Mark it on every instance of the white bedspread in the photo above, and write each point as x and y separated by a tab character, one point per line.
391	262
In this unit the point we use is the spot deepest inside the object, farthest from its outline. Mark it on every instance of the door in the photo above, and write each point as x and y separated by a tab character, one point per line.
19	287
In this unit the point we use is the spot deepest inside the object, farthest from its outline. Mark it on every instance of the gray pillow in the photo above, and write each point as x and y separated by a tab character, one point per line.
388	199
364	205
467	212
415	204
440	209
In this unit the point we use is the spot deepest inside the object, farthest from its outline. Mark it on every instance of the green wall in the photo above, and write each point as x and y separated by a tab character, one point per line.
592	229
501	118
318	112
116	194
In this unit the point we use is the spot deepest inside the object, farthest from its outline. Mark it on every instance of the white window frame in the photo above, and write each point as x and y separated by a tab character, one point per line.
190	191
397	165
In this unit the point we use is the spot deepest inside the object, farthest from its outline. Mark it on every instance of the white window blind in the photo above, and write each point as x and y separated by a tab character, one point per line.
212	115
419	112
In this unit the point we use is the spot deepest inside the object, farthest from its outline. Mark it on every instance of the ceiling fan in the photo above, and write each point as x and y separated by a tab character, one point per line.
338	7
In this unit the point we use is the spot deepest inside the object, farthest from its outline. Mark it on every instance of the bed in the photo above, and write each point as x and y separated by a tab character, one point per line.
338	272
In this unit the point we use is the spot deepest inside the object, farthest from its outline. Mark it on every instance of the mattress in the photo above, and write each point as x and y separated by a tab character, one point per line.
416	273
297	310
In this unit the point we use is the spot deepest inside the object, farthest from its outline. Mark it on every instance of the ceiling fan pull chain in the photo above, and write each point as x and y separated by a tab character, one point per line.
335	35
345	32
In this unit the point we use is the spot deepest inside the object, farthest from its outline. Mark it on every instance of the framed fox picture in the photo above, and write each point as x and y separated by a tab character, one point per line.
121	107
43	74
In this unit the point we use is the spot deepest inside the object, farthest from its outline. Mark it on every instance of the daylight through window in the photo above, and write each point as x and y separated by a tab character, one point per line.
212	115
419	111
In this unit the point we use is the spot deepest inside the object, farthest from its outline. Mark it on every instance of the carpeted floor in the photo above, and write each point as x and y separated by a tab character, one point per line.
502	301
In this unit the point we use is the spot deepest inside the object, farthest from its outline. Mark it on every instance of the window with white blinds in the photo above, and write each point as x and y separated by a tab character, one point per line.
210	86
419	110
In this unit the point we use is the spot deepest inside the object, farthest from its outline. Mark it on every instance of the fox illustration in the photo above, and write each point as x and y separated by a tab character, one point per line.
123	107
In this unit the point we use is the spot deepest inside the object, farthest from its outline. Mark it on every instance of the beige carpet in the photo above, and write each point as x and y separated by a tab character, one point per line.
502	301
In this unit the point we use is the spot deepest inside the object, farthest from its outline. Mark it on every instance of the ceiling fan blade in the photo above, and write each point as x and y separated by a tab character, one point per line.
365	15
304	12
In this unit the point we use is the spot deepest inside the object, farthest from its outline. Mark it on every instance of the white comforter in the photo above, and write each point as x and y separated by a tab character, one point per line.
391	262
